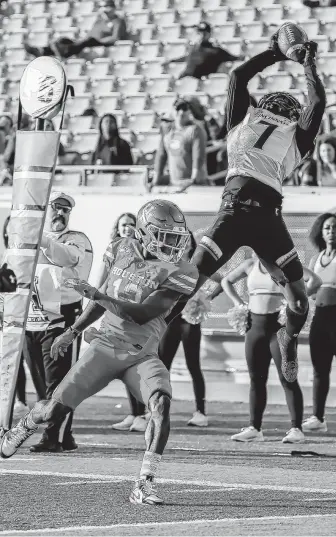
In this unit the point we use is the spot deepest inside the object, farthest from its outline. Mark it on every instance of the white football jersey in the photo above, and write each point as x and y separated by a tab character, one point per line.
263	146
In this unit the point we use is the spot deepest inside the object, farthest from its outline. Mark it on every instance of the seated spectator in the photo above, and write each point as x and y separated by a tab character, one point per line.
111	149
319	3
7	149
325	165
6	10
204	57
91	112
107	29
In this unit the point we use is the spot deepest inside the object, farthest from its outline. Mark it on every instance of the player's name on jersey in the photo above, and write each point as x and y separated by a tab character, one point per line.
136	278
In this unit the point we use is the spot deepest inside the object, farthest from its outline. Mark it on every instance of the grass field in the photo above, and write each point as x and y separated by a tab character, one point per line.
211	485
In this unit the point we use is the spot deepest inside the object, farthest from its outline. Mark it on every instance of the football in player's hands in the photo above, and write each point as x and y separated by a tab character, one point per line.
291	39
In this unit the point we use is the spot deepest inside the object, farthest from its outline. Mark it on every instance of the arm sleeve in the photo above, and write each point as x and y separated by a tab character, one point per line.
160	159
198	149
238	99
67	254
311	117
182	280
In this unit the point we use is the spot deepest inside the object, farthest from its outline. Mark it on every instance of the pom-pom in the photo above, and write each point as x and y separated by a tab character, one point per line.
237	317
197	308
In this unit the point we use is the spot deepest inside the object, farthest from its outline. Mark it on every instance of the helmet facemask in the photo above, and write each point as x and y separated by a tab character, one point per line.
166	245
282	104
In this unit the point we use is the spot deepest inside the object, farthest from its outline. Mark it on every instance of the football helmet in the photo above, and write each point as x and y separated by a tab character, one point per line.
282	104
162	229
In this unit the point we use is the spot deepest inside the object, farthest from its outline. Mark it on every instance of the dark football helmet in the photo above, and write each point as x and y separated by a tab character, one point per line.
162	229
281	104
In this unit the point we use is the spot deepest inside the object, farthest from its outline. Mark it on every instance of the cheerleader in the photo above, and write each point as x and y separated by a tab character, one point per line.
322	335
264	304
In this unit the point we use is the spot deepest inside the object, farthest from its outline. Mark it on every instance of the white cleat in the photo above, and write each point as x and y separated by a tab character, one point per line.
248	434
314	425
145	493
125	424
294	436
199	420
139	424
13	439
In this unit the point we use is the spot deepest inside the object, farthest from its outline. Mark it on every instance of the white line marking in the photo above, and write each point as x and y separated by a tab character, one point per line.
170	523
196	482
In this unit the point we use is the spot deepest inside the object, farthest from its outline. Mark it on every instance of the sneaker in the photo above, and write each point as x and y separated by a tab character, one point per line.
144	492
288	350
20	410
313	424
68	443
14	438
199	420
139	424
125	424
294	436
248	434
45	445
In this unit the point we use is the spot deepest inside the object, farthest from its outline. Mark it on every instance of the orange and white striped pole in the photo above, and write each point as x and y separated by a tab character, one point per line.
42	94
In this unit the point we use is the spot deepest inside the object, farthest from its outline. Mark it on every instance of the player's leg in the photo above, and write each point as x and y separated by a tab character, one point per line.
294	397
170	342
274	246
89	375
258	358
149	382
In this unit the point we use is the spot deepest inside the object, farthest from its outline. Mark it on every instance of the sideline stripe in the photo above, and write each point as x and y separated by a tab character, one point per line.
170	523
200	483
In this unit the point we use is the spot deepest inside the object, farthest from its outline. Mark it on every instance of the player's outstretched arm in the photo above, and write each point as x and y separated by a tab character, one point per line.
310	119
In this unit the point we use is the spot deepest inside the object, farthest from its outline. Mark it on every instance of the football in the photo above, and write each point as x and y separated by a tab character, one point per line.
291	37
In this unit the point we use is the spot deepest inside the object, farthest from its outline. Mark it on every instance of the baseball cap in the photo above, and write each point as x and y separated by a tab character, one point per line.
62	196
203	27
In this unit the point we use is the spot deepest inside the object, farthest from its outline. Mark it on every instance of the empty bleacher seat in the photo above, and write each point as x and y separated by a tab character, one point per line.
59	9
325	14
61	24
278	82
323	43
15	22
261	3
174	49
326	63
271	14
13	39
158	5
188	17
185	85
297	12
74	67
76	106
210	4
105	103
13	88
84	142
146	50
237	3
151	68
136	20
251	30
14	55
141	121
79	84
291	67
128	67
255	46
185	4
130	85
85	21
79	123
15	70
218	16
242	15
34	9
39	38
162	103
98	68
226	30
131	6
234	46
218	102
146	32
41	22
312	27
121	50
148	141
158	84
215	84
163	17
166	33
134	103
83	7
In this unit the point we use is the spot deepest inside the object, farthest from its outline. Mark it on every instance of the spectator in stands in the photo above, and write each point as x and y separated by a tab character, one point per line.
111	149
7	149
324	167
107	29
319	3
204	57
91	112
216	152
183	145
5	9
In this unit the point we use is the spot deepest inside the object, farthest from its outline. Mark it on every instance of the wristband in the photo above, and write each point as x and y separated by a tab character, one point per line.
75	332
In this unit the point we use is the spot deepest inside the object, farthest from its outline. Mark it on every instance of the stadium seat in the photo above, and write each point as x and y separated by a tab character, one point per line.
3	103
147	50
39	23
85	21
162	103
141	121
79	123
297	12
234	46
251	30
148	141
14	23
146	32
104	103
277	82
189	17
122	50
151	68
71	33
15	70
237	3
98	68
13	88
330	82
18	6
186	85
134	103
131	6
59	9
130	85
14	39
136	20
326	63
74	67
158	5
175	69
163	17
61	24
212	4
262	3
159	84
312	27
34	9
329	28
76	106
331	97
293	68
218	102
228	29
81	7
255	46
128	67
84	142
271	15
325	15
185	4
255	83
323	43
3	86
174	49
242	15
40	38
167	33
79	84
215	84
14	55
219	17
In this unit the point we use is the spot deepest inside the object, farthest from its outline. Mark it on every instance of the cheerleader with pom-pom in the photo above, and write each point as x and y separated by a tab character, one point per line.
259	319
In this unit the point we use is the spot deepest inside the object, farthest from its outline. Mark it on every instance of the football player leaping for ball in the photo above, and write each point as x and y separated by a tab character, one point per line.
264	145
146	277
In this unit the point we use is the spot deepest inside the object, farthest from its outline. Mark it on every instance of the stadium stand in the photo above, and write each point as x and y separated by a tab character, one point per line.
130	80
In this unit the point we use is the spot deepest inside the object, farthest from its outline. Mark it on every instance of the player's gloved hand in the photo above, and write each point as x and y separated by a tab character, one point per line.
274	47
309	50
82	287
61	343
8	281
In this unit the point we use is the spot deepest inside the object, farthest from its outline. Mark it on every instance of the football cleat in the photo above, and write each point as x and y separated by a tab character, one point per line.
248	434
199	420
294	436
288	351
313	424
125	424
13	439
145	493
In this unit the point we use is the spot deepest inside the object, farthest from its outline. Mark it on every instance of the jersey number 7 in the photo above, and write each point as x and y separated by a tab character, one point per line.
265	135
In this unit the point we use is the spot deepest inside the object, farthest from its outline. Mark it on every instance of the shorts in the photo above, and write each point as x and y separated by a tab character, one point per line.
242	220
102	363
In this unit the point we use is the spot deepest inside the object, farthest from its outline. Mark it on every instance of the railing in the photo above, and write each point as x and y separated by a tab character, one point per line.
119	175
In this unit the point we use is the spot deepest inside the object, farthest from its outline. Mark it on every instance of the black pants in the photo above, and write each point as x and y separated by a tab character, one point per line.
240	223
39	346
322	341
260	347
64	47
179	331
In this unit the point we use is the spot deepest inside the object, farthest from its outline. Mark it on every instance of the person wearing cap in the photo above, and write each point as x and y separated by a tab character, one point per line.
54	307
106	30
204	57
183	147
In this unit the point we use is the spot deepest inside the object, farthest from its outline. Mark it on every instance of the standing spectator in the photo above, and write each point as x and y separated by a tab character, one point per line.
124	226
111	149
54	307
204	57
322	335
7	149
183	145
107	29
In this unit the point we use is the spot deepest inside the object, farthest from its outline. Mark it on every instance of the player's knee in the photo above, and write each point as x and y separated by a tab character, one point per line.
159	405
